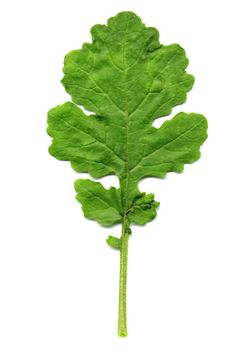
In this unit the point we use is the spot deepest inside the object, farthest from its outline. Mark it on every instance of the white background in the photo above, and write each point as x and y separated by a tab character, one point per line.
189	270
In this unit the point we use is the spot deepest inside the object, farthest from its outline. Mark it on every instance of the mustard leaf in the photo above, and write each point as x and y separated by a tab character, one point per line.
127	79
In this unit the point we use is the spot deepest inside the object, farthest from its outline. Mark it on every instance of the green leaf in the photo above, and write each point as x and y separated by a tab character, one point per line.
127	79
114	242
99	204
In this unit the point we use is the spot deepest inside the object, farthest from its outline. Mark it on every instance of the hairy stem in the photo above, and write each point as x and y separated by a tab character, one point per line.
122	315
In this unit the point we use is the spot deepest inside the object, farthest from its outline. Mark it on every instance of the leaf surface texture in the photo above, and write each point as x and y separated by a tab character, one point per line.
127	79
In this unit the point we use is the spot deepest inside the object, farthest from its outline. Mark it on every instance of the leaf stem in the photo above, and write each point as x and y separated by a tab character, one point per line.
122	314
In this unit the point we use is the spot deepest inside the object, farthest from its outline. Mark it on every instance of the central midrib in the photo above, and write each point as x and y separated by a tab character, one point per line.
126	160
124	191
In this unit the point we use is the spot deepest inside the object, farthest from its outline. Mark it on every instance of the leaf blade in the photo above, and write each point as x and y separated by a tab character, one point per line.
128	79
98	203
